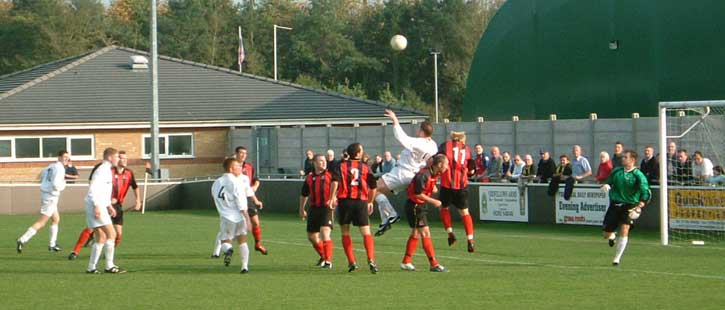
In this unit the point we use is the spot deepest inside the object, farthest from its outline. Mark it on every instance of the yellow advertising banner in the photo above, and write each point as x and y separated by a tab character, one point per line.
697	208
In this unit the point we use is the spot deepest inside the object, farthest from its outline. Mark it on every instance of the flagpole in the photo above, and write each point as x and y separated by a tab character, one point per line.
240	49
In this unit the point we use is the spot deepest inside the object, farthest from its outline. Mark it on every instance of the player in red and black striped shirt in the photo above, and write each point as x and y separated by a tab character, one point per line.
420	192
123	180
353	189
240	153
317	189
454	185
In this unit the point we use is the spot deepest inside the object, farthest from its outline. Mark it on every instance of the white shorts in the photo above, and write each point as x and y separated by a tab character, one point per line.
92	221
398	179
229	230
48	204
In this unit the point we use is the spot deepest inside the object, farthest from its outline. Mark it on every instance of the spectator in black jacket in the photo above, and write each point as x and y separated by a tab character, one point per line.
650	165
546	168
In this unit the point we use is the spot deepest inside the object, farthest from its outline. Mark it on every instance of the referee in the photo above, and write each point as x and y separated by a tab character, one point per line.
628	193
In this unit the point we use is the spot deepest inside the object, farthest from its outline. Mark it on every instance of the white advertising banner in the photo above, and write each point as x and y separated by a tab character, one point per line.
503	203
587	206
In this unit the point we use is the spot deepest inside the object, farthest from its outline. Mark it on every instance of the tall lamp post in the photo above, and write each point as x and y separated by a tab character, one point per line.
155	162
275	47
435	77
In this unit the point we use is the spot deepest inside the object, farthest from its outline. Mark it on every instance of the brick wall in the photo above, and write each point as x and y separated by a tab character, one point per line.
210	148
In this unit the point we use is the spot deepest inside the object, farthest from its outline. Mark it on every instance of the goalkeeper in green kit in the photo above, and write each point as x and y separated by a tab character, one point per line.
628	194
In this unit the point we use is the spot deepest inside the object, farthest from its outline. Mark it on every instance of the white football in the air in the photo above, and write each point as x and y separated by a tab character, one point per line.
398	42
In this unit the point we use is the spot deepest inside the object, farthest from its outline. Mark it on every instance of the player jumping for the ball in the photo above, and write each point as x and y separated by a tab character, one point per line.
628	194
414	156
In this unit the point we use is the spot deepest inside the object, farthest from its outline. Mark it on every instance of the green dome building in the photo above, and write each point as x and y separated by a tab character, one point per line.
610	57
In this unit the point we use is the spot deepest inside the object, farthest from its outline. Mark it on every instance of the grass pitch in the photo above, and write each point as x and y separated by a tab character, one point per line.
516	266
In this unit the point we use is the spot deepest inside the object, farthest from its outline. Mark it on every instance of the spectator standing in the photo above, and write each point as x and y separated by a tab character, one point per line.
650	166
580	167
506	166
388	162
331	161
546	167
517	168
495	165
308	163
718	178
682	169
71	173
605	167
528	172
481	160
617	156
701	167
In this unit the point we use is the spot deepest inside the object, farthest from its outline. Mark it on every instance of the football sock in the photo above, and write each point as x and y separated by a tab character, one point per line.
369	247
85	234
96	249
428	248
53	234
225	247
621	245
109	250
257	232
385	207
347	246
410	249
446	219
468	225
328	250
612	236
27	235
319	249
217	244
244	254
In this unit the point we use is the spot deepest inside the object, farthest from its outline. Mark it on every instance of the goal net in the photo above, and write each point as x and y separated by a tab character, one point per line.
692	146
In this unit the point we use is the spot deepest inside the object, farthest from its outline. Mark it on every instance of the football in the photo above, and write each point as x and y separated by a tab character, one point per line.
398	42
634	213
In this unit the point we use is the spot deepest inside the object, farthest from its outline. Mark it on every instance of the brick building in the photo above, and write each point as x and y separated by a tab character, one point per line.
102	98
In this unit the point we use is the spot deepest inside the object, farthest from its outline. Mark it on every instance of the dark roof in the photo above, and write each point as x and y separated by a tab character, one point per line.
100	87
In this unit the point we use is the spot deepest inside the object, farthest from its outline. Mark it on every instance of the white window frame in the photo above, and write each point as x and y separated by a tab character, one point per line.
40	138
164	154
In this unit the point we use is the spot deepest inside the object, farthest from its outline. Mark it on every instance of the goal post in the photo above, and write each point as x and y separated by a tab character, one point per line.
699	210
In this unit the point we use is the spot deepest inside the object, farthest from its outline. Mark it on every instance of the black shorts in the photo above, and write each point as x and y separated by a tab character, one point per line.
252	209
417	214
318	217
617	214
455	197
353	211
118	220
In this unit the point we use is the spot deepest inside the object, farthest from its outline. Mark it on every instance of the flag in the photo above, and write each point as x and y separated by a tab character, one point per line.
240	60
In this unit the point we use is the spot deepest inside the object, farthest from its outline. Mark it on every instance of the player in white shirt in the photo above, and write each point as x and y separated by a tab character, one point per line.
230	193
52	183
99	211
415	155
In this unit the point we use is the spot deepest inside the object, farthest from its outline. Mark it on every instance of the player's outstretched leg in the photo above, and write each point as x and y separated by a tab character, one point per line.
622	244
388	215
429	251
468	227
410	248
32	230
217	246
445	214
257	233
82	239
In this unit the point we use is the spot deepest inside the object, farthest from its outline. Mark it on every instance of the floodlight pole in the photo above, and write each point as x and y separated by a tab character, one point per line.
275	47
435	76
155	162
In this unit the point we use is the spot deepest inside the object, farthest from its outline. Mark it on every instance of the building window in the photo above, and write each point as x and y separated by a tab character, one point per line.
27	148
6	148
45	148
171	145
